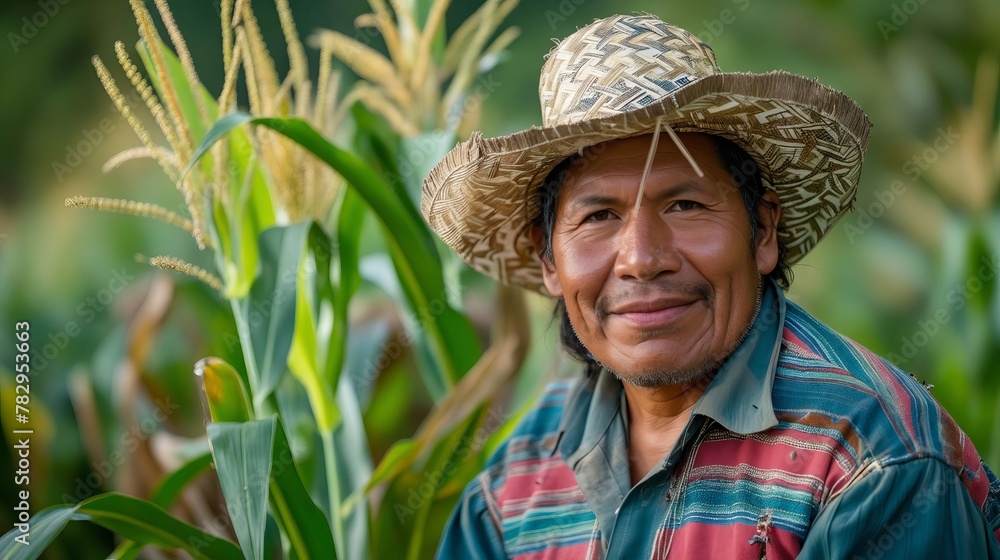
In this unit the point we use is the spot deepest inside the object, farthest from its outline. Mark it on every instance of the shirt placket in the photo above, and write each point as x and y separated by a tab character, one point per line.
652	504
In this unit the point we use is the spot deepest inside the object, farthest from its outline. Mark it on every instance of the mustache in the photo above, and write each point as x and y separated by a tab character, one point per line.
698	290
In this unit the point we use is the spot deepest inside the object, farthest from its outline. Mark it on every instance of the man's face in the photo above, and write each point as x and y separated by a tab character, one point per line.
664	293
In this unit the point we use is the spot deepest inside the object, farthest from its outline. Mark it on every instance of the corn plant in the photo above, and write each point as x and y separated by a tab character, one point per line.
279	201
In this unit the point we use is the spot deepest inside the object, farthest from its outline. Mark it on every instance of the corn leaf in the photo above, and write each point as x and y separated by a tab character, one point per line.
225	393
355	466
164	495
349	223
454	342
242	454
302	360
304	524
179	80
266	317
134	519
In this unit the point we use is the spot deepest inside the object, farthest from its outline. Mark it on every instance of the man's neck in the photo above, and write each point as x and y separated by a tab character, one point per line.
656	419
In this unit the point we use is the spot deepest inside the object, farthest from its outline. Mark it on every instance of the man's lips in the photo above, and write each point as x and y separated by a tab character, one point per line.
646	313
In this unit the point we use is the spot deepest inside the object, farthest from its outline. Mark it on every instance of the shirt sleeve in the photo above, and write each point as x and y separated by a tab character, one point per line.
917	509
471	533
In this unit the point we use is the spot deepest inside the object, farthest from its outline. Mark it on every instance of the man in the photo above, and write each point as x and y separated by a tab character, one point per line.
662	205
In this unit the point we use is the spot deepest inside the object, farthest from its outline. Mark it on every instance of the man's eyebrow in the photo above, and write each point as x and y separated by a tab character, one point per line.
601	199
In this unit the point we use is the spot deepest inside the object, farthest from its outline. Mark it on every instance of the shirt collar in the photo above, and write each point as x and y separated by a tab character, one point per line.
738	397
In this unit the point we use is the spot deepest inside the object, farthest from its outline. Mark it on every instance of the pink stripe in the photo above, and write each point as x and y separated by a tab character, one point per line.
812	458
698	540
571	552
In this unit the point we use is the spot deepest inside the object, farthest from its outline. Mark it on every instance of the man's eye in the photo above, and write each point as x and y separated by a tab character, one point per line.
598	216
682	205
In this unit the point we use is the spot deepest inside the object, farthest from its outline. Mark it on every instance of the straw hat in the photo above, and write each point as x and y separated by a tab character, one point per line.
614	79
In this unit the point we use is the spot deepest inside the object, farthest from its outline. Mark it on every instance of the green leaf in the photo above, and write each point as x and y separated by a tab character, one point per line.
172	485
355	468
397	459
45	526
182	87
220	129
350	221
454	342
302	360
303	522
164	494
224	391
242	454
129	517
417	156
266	318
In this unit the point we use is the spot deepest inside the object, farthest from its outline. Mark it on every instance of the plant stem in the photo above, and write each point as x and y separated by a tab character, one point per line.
333	490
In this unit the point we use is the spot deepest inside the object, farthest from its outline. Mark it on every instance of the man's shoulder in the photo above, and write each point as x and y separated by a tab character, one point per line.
530	453
881	413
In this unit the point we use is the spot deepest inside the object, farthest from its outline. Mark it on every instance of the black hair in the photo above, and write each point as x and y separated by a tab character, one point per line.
745	175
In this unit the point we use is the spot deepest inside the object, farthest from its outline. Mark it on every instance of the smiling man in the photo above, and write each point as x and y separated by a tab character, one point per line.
662	205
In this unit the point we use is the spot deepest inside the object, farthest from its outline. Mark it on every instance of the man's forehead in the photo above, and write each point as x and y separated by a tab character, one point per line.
626	158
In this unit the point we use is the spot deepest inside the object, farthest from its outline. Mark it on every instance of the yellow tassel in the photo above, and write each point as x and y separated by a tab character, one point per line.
131	154
296	54
324	87
148	96
387	27
423	59
177	265
228	96
122	206
258	56
376	101
226	13
152	39
119	100
365	61
466	69
184	55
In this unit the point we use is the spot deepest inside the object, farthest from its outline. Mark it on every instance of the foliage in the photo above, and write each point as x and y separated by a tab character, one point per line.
265	191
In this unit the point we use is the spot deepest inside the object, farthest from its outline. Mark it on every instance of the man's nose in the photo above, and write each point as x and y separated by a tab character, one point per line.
645	247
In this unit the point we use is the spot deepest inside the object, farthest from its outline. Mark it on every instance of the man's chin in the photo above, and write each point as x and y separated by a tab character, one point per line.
652	379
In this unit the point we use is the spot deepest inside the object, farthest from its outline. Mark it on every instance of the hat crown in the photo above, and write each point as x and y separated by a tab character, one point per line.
619	64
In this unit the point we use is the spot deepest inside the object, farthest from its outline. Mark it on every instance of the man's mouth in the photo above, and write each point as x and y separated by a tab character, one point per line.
653	312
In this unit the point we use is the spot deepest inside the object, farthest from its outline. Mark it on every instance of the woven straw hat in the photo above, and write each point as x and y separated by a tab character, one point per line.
614	79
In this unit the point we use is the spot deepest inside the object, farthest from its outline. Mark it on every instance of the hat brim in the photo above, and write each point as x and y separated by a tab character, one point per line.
807	139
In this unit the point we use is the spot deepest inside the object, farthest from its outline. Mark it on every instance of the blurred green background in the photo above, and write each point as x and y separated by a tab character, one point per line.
912	274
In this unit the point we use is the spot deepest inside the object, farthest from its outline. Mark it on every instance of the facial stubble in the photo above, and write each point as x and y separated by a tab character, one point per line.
704	369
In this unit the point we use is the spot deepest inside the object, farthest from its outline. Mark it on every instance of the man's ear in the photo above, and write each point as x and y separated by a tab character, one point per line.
767	237
549	276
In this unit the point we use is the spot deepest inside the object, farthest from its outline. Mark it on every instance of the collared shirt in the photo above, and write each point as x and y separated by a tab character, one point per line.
803	444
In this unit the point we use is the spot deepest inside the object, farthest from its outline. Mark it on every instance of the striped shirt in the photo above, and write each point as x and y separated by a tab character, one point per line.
804	444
